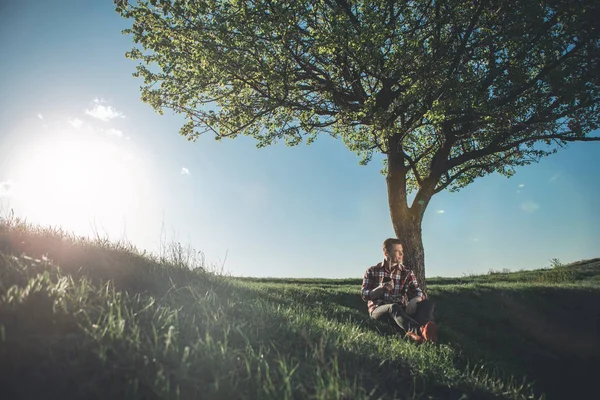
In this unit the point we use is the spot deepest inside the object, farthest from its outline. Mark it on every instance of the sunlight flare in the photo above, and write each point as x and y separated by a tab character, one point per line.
78	181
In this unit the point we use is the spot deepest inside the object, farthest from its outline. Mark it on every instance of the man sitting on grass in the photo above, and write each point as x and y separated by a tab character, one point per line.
392	291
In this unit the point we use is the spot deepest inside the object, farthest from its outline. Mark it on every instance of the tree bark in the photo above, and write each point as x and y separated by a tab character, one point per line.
412	243
406	221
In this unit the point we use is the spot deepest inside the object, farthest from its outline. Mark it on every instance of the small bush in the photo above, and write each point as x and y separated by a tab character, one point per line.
555	263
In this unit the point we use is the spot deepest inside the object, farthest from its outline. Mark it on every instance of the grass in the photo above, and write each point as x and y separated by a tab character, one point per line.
82	318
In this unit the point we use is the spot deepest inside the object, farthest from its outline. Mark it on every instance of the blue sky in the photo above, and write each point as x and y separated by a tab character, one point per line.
79	149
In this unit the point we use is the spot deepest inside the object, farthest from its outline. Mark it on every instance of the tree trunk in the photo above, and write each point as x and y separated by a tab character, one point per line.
412	243
406	221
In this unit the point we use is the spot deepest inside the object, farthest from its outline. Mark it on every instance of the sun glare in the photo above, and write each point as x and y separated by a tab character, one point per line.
79	181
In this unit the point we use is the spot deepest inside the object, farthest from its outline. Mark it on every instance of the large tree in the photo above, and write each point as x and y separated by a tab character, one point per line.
447	90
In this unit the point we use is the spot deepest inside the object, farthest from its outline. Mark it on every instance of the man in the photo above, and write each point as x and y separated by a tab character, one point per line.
400	299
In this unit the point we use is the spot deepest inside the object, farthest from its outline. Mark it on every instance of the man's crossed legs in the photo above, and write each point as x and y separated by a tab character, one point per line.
419	327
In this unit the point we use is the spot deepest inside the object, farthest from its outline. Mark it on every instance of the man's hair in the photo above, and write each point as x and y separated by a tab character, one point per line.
388	243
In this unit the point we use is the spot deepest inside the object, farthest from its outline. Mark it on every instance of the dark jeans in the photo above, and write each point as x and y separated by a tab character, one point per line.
423	314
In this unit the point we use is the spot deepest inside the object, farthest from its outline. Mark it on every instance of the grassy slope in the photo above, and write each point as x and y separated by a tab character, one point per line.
83	319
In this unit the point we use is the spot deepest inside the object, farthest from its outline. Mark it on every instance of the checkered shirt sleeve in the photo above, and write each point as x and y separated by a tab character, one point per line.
413	289
369	283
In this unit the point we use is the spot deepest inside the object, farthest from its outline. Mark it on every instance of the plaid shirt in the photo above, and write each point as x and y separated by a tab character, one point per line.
405	285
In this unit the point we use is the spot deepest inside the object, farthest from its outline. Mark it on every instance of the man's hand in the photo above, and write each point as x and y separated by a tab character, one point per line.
381	289
377	292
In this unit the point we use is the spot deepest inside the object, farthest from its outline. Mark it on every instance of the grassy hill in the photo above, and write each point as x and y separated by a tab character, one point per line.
90	319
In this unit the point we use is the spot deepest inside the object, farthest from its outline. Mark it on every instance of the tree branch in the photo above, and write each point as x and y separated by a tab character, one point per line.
545	70
413	167
487	166
465	39
472	155
347	10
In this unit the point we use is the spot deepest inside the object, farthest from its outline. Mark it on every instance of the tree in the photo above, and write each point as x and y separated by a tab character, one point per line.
447	90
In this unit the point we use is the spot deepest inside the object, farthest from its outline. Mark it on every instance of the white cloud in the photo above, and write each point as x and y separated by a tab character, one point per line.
555	176
102	112
475	239
76	122
40	116
530	206
185	171
114	132
440	211
521	185
6	188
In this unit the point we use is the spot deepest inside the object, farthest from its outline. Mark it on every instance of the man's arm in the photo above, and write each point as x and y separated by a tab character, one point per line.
370	288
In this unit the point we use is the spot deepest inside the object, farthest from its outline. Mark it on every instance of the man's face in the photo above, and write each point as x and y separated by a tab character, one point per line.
395	255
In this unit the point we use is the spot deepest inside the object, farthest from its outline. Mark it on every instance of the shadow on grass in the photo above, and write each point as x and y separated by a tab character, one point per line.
547	333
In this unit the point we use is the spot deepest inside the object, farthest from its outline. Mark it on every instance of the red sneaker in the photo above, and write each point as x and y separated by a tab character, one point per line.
414	337
429	332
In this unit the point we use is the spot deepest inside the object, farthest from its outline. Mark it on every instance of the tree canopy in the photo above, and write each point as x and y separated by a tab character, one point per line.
448	90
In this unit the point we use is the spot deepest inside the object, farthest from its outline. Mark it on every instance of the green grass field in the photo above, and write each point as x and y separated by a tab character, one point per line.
92	319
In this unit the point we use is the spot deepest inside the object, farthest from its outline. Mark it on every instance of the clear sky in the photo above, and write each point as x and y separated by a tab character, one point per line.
79	149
